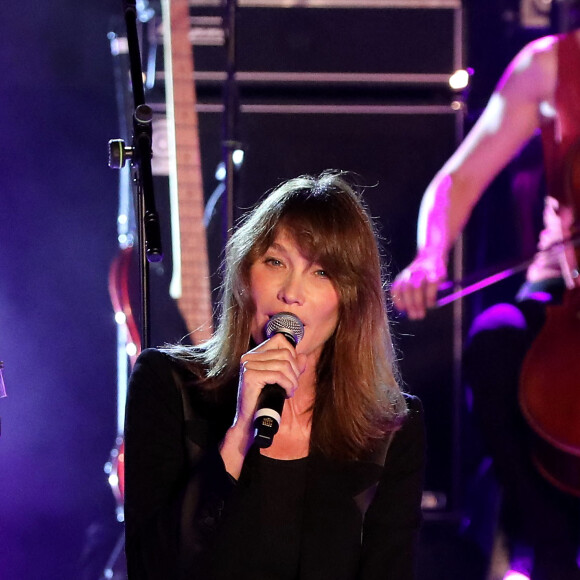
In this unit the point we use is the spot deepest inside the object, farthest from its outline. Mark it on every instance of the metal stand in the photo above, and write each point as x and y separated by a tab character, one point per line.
149	234
230	144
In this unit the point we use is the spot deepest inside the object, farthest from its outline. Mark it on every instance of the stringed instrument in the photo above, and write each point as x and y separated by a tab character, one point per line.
549	394
190	282
549	390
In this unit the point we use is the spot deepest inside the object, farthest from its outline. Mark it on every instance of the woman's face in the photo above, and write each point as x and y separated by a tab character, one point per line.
284	280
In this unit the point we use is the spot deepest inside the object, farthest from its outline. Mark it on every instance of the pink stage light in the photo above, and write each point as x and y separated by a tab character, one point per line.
513	575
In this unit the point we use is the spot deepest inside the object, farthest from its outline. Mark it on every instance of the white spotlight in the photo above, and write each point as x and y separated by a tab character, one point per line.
459	79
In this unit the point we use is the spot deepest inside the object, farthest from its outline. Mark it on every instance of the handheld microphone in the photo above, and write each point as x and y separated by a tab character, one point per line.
271	400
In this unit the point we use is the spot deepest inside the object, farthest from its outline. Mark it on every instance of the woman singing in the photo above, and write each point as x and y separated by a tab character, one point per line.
337	493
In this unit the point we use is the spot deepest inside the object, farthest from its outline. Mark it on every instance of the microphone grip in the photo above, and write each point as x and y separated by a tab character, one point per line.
268	414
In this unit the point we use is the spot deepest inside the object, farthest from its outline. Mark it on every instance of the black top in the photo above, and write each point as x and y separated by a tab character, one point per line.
187	519
260	538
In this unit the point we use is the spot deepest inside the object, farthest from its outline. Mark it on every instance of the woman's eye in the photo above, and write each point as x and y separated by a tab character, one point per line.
273	261
322	273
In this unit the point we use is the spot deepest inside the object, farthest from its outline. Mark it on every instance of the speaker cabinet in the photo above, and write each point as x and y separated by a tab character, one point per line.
281	41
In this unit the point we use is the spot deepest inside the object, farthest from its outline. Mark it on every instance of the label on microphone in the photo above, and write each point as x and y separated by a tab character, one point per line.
267	413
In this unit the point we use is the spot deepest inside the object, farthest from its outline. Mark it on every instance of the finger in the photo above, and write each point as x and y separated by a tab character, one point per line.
416	296
431	289
403	291
397	295
272	356
276	342
257	374
254	376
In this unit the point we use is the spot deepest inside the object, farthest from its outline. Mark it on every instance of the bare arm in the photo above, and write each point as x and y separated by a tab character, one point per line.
509	120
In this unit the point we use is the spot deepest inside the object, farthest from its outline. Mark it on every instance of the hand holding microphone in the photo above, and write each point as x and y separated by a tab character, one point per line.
271	400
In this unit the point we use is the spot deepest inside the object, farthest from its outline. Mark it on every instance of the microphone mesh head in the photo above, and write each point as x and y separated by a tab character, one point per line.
288	324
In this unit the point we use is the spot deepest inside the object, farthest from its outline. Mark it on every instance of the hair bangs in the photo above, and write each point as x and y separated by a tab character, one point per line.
332	233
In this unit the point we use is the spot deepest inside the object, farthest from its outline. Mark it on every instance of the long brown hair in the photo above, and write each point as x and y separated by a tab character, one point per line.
357	395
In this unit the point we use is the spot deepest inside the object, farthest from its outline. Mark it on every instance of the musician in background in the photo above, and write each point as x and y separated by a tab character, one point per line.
539	91
338	493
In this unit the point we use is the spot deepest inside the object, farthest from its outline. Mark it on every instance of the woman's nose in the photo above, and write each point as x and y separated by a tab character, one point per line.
292	289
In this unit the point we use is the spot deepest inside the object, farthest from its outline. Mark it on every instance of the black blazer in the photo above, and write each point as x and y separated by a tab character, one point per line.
361	518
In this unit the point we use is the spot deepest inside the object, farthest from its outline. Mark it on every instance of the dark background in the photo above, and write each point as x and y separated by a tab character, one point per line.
57	240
